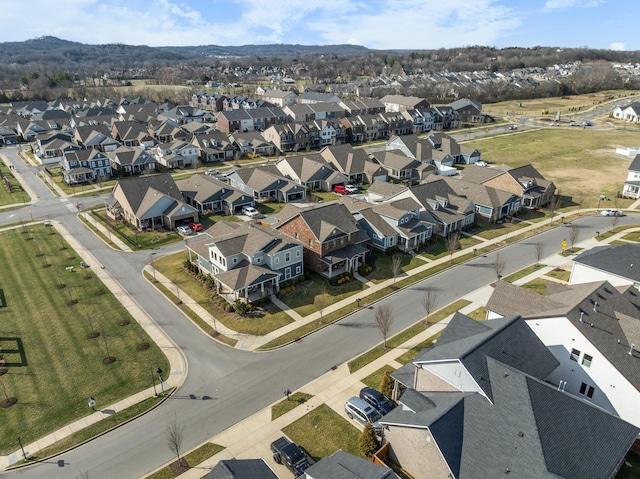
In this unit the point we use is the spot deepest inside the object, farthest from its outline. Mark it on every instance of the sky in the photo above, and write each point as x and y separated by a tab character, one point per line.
376	24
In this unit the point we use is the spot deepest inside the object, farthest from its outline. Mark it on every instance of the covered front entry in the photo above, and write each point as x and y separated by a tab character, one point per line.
247	283
344	260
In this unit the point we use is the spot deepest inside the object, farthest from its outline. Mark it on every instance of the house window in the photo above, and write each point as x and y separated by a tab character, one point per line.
586	390
575	355
276	260
235	260
298	270
586	360
297	235
287	257
297	253
310	243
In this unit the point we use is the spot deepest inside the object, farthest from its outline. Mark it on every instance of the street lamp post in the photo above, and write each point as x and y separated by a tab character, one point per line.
154	270
24	454
153	378
159	373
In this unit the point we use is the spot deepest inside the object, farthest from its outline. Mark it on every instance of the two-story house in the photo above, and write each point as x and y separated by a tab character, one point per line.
333	241
631	187
177	154
247	261
288	137
81	166
127	160
592	330
393	224
214	146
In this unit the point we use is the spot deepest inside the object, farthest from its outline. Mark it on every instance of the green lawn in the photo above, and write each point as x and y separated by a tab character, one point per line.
559	273
132	237
322	432
52	366
383	268
289	404
258	324
538	285
479	314
17	194
580	162
522	273
303	299
374	379
635	237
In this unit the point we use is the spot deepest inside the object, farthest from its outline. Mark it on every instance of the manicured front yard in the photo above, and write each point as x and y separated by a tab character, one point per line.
259	324
384	264
53	368
322	432
303	300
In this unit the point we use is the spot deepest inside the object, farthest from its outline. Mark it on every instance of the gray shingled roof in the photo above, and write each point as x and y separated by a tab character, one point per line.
241	469
621	260
509	340
342	465
616	317
135	189
529	430
635	164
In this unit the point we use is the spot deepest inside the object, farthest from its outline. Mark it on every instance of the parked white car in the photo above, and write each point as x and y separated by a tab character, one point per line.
351	189
184	230
250	211
481	163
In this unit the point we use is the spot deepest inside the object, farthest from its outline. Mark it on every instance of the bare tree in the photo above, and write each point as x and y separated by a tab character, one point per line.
499	264
176	283
321	300
539	252
196	164
573	234
384	320
174	434
453	242
429	302
555	205
109	359
614	221
396	267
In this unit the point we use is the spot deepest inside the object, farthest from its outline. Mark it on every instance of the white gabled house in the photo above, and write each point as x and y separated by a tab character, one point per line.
593	330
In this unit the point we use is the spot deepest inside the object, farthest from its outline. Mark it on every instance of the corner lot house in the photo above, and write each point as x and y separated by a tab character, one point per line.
150	202
247	261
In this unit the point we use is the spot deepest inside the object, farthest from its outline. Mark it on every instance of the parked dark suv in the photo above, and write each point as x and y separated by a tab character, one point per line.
378	400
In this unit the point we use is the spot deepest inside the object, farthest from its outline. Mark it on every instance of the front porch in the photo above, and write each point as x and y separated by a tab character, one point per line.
344	260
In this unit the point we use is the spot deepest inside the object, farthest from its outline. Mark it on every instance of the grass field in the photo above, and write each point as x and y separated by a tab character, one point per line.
581	163
53	368
17	194
565	105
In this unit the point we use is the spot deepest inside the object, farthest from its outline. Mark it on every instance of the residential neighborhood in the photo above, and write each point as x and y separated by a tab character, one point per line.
266	224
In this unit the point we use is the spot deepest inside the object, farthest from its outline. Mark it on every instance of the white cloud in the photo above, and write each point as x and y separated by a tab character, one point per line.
617	46
565	4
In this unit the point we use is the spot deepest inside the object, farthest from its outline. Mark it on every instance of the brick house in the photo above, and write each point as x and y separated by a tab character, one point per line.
333	240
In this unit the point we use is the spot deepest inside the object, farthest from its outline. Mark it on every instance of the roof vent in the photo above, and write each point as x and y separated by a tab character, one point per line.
521	434
631	349
581	315
595	306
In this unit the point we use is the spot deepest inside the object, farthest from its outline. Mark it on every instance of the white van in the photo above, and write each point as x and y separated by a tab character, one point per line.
363	412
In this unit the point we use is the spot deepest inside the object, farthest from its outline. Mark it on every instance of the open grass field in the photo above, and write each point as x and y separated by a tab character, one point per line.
52	366
565	105
17	194
582	163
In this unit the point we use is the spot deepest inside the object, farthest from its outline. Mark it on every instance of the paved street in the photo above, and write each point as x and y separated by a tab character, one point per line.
223	386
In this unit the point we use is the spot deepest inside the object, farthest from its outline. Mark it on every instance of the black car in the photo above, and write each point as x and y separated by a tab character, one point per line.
378	400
